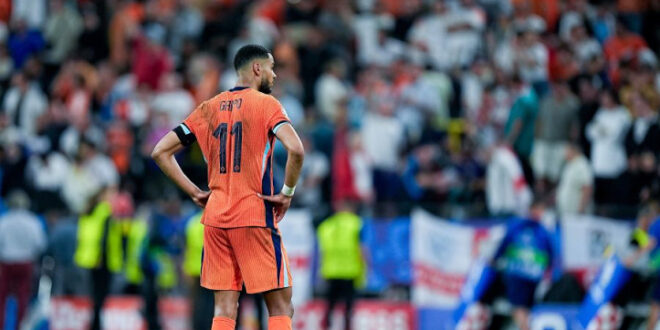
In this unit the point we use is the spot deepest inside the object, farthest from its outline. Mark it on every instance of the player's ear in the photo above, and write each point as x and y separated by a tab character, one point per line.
256	68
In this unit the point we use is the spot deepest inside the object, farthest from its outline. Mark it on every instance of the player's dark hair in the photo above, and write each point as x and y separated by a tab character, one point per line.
248	53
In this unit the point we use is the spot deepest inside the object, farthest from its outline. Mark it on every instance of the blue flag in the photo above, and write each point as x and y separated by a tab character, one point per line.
611	278
477	283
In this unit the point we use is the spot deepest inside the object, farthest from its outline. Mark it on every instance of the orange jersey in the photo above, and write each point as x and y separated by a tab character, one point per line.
235	131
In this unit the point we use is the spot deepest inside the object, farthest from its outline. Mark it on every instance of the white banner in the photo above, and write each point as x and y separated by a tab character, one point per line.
298	237
442	254
585	238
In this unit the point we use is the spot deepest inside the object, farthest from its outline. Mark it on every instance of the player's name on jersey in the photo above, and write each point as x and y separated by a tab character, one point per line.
231	105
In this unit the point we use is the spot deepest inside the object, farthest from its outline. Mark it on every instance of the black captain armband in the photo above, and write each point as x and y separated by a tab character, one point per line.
185	135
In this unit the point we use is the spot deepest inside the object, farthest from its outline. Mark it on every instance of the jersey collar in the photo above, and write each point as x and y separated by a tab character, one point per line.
238	88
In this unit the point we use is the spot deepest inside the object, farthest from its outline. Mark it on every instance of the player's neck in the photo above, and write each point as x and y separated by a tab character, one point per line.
246	82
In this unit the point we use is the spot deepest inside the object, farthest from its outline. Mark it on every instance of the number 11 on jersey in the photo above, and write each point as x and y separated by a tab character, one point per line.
237	133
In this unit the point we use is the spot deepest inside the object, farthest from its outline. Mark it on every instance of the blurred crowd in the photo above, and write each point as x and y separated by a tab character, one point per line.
466	107
399	102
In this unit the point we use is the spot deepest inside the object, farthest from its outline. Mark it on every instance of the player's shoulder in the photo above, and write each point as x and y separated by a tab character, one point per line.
263	97
218	98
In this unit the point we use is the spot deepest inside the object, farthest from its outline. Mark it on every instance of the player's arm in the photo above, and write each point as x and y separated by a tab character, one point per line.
163	154
296	153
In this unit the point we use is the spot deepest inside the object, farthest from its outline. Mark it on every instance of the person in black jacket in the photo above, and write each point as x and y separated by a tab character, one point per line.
642	147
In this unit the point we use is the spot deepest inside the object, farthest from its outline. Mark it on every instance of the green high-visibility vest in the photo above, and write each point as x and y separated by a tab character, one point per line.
91	229
137	235
339	243
192	259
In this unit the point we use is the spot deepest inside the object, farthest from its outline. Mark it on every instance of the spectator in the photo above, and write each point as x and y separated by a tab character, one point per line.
187	25
419	101
33	13
200	298
23	43
331	90
642	145
62	246
645	240
22	240
151	60
556	125
63	27
99	249
427	177
524	255
576	184
89	173
631	13
314	171
507	192
342	262
374	46
624	43
23	104
383	139
584	46
172	100
92	43
606	132
531	57
588	95
603	23
520	126
13	161
46	171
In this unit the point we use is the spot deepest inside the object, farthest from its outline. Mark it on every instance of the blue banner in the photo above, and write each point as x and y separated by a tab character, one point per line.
611	278
388	242
477	283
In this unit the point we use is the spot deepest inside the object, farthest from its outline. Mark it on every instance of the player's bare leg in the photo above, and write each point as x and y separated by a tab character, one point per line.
280	309
653	316
521	318
226	309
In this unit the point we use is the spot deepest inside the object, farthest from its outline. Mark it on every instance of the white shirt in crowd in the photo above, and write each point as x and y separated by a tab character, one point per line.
84	181
607	133
533	63
577	175
80	185
446	48
506	189
362	178
47	173
330	90
22	237
177	104
382	138
370	51
33	12
33	104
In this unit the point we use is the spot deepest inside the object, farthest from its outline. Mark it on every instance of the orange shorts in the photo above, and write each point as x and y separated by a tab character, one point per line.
251	255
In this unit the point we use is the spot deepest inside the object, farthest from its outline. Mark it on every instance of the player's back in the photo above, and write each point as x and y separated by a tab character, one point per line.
236	130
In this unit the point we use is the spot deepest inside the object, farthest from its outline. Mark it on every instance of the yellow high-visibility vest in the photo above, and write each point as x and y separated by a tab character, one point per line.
192	259
91	228
137	233
339	243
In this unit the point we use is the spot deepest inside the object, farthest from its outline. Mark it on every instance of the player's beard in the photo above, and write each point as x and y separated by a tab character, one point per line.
265	86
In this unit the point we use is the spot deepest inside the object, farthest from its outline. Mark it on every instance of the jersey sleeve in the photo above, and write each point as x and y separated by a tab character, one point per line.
276	116
189	129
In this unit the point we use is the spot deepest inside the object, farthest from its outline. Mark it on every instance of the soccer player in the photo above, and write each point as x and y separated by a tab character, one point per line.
242	244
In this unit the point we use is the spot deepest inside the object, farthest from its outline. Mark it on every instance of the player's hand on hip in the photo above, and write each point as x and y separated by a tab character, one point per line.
200	197
280	202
